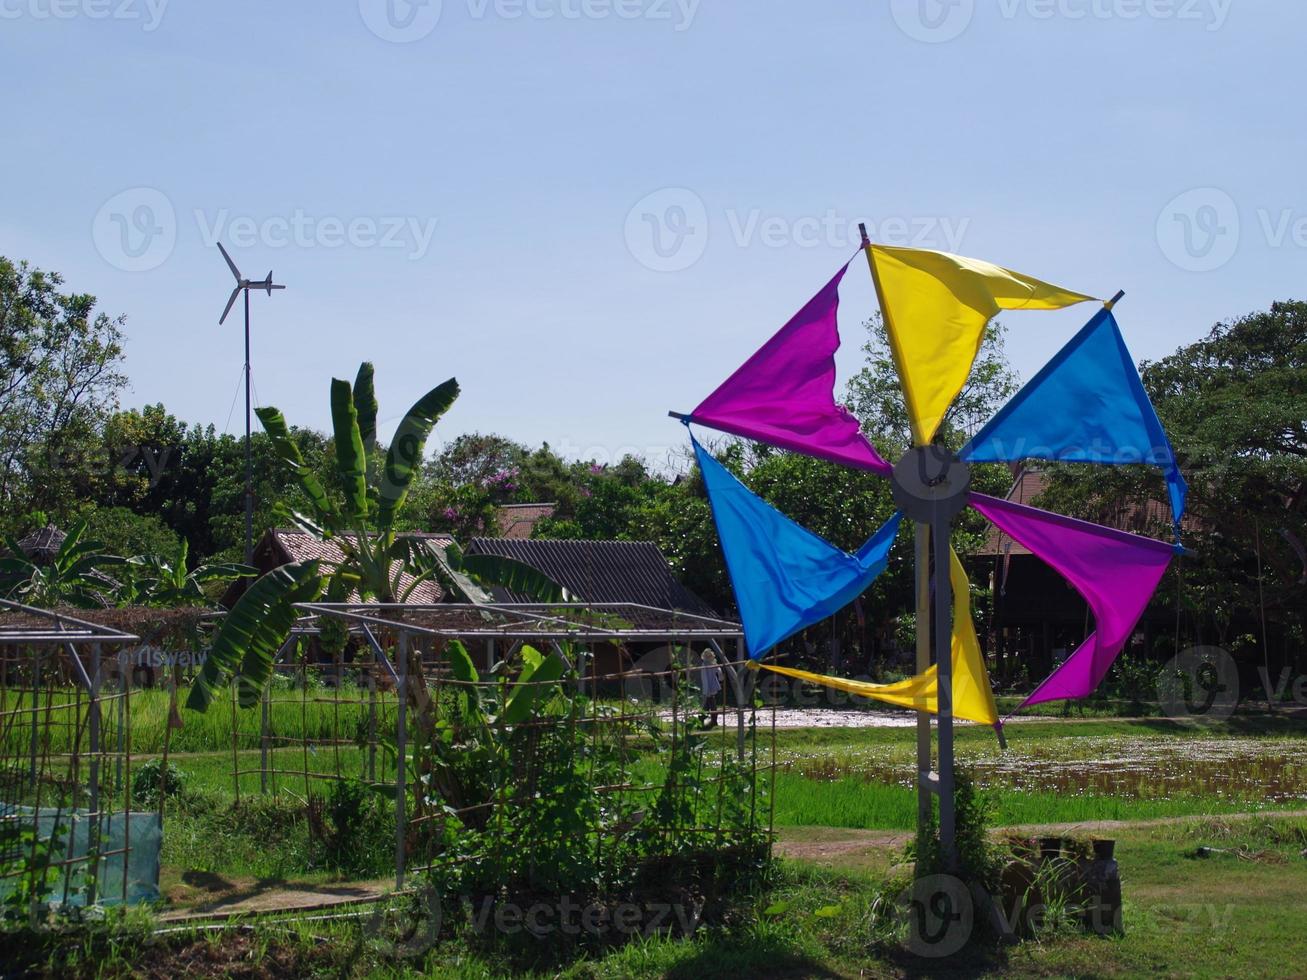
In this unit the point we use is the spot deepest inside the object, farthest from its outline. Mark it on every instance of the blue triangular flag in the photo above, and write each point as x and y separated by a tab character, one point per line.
785	577
1087	405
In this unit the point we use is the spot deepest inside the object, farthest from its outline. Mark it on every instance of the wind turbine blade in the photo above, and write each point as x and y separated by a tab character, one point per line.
230	303
230	264
267	283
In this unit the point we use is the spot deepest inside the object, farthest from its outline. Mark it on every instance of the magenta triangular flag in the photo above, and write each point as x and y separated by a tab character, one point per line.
1116	572
784	395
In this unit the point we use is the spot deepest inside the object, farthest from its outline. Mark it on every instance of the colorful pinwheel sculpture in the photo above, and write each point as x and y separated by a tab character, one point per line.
1086	405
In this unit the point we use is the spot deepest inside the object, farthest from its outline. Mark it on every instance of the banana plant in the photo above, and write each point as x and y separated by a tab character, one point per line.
160	581
470	577
74	576
359	517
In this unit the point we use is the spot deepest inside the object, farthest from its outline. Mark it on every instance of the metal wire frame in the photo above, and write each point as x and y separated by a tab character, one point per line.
503	627
42	632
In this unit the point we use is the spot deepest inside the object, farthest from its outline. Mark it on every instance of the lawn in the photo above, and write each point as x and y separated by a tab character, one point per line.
843	805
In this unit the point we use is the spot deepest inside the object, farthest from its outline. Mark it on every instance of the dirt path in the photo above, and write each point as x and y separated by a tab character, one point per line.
825	844
204	895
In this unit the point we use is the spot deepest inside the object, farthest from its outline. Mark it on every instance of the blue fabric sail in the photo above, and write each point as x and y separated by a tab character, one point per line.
1087	405
785	577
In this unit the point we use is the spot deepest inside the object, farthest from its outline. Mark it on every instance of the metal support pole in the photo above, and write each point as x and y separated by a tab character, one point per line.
943	632
401	753
263	738
925	763
743	693
36	709
249	454
93	784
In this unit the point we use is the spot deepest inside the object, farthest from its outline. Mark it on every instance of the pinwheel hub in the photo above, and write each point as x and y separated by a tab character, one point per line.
930	484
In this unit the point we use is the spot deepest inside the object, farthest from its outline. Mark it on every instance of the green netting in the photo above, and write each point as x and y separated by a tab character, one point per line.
63	854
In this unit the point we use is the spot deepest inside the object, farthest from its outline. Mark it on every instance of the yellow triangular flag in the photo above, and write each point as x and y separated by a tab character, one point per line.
936	306
972	697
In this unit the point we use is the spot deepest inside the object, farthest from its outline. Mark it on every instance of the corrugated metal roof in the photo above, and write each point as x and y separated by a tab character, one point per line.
599	571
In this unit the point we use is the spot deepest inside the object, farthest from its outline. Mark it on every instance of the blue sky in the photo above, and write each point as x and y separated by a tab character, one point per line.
591	211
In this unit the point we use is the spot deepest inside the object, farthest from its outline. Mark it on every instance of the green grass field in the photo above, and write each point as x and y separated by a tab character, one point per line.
1239	912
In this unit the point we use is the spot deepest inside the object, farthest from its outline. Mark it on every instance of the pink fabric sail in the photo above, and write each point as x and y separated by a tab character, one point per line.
1116	572
784	395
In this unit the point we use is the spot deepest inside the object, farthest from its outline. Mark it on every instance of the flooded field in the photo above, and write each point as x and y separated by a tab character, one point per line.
1263	770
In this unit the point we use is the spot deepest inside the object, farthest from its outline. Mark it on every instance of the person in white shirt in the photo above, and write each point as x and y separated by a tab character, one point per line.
710	686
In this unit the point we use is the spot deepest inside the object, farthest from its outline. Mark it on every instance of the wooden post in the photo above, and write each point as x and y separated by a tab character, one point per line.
401	751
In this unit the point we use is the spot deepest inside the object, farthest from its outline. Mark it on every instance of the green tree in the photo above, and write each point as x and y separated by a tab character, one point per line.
1235	407
60	376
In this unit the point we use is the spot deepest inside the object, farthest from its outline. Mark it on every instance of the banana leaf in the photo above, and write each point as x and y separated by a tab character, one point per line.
515	576
274	423
406	449
252	633
351	460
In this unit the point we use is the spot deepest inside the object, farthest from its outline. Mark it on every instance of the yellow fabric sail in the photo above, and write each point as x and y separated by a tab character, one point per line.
972	697
936	306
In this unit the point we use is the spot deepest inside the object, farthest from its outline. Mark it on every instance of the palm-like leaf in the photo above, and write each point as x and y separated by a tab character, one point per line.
274	423
516	577
365	404
406	449
351	460
252	633
534	683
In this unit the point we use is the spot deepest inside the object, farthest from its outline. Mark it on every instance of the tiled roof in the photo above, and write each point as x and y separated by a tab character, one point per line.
599	571
517	520
301	546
